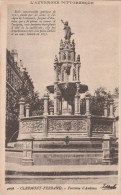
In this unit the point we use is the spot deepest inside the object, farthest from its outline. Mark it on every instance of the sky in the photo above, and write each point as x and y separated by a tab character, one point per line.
96	34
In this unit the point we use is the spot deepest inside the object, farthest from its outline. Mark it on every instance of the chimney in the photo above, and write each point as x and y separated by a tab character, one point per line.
21	64
14	54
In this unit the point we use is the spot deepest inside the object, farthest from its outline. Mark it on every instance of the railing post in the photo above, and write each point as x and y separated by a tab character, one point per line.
27	110
46	103
105	107
105	110
21	107
111	108
51	110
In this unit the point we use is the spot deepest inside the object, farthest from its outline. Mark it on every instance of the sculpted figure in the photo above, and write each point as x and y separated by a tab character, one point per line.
67	30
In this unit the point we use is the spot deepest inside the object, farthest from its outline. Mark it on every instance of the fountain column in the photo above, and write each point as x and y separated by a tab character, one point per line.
57	104
56	99
77	104
64	107
77	100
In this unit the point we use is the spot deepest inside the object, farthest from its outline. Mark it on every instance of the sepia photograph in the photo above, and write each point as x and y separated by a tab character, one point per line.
61	76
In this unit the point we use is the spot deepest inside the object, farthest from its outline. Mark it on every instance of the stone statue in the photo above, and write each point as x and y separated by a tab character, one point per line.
67	30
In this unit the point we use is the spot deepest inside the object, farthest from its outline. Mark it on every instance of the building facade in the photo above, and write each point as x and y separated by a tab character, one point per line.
16	76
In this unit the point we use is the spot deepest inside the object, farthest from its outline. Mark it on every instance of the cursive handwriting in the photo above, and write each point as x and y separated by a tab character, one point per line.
109	187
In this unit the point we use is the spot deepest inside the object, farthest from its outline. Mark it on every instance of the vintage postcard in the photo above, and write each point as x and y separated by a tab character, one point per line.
59	95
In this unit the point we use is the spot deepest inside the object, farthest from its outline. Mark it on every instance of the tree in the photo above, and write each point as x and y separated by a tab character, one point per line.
36	104
31	97
98	100
12	121
36	108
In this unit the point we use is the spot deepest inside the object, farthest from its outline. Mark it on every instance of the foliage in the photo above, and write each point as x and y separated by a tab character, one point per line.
12	121
116	92
98	100
31	97
36	108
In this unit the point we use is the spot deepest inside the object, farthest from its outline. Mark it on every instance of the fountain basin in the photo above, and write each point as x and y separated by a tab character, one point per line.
68	90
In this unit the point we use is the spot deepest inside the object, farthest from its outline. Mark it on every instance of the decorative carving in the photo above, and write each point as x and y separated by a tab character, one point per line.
78	72
32	126
67	69
62	75
61	43
58	71
56	89
78	87
64	56
78	58
56	59
69	56
102	127
67	125
59	68
73	43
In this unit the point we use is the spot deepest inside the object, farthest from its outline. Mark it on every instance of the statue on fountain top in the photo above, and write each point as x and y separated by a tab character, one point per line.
67	31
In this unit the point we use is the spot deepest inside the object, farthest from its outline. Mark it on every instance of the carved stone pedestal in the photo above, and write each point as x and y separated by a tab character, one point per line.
27	151
106	146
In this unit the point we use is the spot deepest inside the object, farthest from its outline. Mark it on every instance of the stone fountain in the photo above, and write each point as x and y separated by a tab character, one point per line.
62	136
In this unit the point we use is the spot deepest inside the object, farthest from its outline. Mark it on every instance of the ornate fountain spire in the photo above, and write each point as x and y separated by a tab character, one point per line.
67	86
